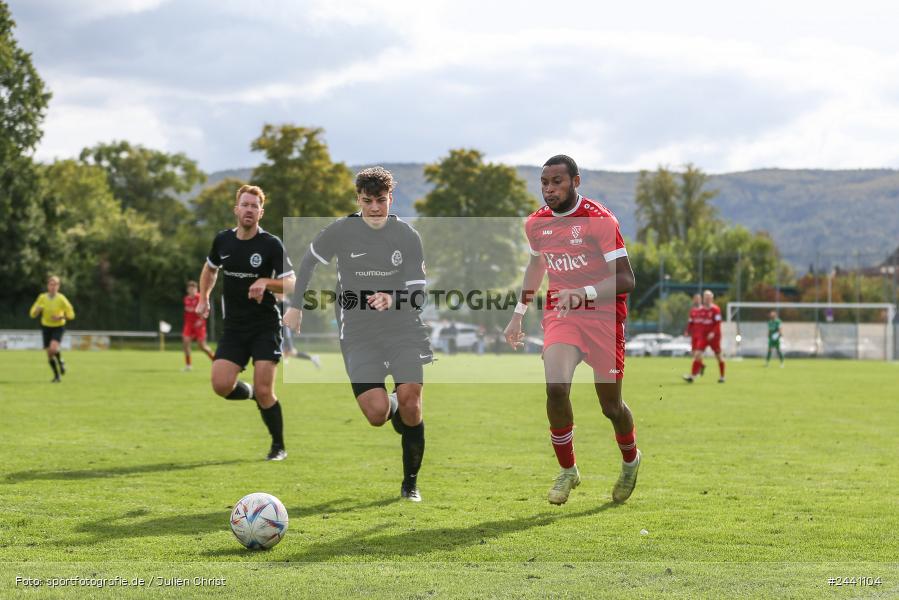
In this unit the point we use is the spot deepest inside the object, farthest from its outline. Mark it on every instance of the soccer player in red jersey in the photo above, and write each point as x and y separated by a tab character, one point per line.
710	327
695	331
194	325
578	242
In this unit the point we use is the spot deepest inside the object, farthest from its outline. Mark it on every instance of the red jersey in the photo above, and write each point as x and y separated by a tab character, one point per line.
694	323
191	318
710	320
579	248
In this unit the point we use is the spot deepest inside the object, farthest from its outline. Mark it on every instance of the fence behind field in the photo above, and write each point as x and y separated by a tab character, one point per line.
864	341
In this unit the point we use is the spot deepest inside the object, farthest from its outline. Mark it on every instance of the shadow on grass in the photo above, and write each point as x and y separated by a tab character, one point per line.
100	472
130	525
371	544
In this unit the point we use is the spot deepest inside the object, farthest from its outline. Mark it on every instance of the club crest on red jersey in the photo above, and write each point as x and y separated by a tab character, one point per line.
576	235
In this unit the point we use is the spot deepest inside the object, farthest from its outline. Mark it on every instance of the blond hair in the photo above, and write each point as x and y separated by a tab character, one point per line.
254	190
53	278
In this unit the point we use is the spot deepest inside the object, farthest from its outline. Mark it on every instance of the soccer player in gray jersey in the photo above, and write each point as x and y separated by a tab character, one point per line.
380	293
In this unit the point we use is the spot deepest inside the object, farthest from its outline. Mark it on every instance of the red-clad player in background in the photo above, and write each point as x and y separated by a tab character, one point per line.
694	329
194	325
578	242
710	337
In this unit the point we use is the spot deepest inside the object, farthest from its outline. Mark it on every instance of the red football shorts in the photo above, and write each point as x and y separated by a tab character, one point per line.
714	344
600	341
695	341
196	331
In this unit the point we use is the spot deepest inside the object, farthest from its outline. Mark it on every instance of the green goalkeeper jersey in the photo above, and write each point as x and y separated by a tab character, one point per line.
774	330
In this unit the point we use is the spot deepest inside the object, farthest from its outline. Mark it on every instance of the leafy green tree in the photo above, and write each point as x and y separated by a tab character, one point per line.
23	95
75	198
465	186
475	238
213	208
146	180
23	104
673	209
298	176
656	202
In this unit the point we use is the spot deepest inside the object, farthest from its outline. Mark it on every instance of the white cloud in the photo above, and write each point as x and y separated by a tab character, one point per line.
618	87
84	112
89	10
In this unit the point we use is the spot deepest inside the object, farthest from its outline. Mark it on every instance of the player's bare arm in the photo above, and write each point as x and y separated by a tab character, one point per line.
207	282
533	277
293	319
277	286
607	289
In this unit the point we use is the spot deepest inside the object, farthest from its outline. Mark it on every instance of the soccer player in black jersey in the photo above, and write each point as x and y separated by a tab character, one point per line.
380	293
256	268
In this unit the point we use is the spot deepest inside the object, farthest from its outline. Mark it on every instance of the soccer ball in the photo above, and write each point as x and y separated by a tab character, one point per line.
259	521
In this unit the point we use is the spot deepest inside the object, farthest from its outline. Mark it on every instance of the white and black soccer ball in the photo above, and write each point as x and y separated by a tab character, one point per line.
259	521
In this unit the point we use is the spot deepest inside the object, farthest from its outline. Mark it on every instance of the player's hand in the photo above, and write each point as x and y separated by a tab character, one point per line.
710	336
59	317
569	299
380	301
257	290
513	333
202	308
293	319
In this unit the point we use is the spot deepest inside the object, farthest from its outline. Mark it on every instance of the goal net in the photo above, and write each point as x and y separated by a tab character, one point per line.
865	331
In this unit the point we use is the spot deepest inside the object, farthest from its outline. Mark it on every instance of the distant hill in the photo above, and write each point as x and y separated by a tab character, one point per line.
832	213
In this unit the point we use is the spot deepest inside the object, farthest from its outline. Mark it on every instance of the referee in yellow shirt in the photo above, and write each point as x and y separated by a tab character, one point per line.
54	310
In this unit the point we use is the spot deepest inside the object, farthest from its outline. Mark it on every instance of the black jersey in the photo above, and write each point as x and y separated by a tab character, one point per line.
371	260
242	262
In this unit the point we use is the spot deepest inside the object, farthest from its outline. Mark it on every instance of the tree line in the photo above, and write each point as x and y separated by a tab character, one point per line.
122	227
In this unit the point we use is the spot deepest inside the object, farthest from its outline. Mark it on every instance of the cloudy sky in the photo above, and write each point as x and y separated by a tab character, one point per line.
784	84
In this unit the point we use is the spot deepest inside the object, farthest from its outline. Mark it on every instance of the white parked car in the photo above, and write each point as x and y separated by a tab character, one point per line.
466	337
679	346
646	344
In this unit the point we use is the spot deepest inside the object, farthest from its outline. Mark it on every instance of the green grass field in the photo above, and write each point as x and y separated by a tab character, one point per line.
766	486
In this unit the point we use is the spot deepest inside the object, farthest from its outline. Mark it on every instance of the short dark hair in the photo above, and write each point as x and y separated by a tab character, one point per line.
374	180
561	159
192	283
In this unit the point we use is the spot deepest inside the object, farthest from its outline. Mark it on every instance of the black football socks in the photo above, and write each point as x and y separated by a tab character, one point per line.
272	418
242	391
55	368
413	442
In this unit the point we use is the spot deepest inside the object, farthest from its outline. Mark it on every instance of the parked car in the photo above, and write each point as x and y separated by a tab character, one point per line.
646	344
466	337
679	346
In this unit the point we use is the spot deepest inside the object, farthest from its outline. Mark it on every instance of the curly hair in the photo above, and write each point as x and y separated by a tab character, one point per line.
561	159
374	181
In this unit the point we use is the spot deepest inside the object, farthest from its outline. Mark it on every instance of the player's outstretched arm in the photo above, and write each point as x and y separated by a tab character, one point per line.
69	310
533	277
284	285
207	281
36	308
293	319
605	290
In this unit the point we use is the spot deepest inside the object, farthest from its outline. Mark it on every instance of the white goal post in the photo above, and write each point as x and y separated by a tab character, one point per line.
875	341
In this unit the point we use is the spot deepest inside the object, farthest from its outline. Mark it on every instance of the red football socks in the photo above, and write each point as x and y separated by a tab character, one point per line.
627	443
563	444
